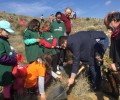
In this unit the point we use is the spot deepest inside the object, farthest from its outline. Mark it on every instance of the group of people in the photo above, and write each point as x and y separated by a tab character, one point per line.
44	50
41	53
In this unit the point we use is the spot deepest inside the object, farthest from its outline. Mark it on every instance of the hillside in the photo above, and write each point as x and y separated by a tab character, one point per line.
77	25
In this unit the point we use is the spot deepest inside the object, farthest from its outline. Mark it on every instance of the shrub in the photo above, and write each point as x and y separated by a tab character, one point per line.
91	28
81	87
87	19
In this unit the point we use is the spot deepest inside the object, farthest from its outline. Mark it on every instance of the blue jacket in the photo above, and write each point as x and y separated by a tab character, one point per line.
82	45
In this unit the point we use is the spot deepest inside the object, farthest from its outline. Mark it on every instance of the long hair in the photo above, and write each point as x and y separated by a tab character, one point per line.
106	19
46	26
114	16
34	25
46	59
110	17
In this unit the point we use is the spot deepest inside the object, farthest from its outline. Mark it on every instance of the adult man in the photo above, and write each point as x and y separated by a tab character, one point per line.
66	20
82	46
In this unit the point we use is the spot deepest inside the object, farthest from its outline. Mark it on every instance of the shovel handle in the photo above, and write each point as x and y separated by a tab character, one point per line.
80	70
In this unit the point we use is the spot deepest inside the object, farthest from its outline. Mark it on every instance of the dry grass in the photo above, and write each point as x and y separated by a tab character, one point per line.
80	90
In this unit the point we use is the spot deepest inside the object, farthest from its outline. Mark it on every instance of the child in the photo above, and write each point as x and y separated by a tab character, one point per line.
31	39
33	51
49	37
58	30
36	73
19	72
7	59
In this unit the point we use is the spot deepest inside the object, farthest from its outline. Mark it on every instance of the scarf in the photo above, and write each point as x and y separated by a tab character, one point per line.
115	32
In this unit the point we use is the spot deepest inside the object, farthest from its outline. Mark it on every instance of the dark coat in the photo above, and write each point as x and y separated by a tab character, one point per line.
7	61
115	47
82	46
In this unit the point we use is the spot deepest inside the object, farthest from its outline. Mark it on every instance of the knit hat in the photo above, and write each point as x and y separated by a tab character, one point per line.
6	26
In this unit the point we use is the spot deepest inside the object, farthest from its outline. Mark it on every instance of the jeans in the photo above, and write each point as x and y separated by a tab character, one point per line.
95	76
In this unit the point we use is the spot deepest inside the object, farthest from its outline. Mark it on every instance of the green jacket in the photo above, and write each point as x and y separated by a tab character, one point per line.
57	29
48	37
32	48
6	77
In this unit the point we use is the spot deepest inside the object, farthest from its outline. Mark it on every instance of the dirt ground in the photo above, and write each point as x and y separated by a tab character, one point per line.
89	96
71	96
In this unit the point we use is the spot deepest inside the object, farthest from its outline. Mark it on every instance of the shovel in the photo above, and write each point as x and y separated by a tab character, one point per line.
59	91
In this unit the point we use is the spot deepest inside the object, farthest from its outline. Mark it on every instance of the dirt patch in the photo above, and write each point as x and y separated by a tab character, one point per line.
72	97
100	96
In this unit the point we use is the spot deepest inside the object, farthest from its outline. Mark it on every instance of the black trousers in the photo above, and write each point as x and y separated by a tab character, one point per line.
58	59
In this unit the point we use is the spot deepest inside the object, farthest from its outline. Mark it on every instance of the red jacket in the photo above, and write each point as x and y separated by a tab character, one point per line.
67	23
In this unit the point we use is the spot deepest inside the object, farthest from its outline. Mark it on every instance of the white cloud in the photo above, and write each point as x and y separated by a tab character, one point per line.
108	2
38	8
32	9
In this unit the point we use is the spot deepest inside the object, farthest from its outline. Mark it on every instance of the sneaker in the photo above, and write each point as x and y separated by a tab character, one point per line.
58	67
58	72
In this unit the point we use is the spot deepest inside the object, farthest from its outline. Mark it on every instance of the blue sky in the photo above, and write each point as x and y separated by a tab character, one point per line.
83	8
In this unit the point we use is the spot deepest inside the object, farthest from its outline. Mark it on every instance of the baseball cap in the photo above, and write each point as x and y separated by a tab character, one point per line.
6	26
